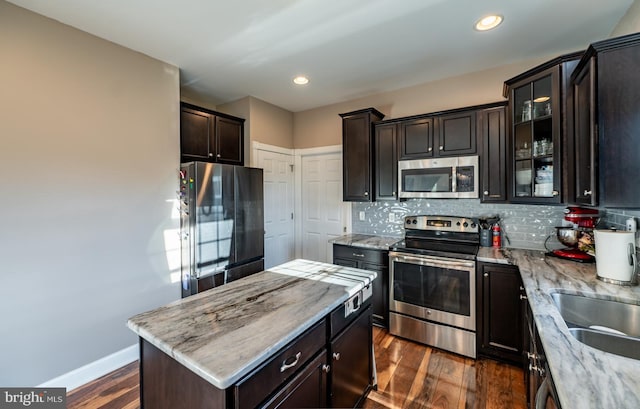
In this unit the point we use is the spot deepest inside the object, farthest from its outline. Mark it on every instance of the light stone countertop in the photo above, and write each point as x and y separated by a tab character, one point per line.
492	255
224	333
366	241
584	377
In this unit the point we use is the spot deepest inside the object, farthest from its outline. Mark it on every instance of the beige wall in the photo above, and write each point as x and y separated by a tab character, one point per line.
322	126
89	152
630	22
265	123
270	124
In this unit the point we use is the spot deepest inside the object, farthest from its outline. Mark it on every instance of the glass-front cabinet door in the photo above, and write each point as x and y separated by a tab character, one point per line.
535	139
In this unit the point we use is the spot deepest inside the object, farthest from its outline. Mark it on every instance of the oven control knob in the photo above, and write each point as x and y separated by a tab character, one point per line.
465	224
458	224
473	225
415	221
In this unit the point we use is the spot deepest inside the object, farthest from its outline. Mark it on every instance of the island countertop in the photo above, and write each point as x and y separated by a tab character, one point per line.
584	377
224	333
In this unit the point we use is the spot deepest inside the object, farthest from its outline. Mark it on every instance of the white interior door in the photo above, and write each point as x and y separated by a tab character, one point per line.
321	203
279	243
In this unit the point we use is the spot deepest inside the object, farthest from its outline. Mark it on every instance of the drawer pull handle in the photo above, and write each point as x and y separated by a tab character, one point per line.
336	356
358	255
286	366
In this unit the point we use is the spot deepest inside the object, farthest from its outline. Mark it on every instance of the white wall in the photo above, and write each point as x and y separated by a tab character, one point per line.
89	150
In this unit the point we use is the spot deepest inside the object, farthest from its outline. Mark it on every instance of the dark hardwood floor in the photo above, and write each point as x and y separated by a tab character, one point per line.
410	375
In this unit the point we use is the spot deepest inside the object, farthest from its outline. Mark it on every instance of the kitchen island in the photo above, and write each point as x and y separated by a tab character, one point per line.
584	377
228	346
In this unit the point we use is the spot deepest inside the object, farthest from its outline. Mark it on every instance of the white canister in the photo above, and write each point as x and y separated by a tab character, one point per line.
616	256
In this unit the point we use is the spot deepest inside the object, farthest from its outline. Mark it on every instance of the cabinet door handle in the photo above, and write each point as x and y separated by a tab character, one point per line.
218	156
393	193
430	149
486	274
486	192
366	193
357	255
286	365
523	297
326	368
336	356
555	193
442	148
210	155
588	193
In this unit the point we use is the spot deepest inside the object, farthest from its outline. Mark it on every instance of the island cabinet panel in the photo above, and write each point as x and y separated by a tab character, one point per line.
351	368
165	383
308	389
372	260
255	388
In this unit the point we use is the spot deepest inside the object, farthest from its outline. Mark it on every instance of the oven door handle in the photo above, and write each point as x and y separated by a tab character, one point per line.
434	261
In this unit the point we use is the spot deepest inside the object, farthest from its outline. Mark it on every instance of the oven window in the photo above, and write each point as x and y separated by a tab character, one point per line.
436	288
426	180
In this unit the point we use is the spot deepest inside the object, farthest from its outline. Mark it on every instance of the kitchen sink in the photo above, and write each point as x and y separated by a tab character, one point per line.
615	344
607	325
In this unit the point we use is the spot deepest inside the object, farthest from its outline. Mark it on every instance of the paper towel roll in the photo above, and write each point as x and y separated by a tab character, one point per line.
615	255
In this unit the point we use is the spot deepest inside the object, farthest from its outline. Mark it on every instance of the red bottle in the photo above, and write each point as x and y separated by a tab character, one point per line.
497	239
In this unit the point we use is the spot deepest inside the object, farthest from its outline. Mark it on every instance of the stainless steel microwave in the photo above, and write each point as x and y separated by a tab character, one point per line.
455	177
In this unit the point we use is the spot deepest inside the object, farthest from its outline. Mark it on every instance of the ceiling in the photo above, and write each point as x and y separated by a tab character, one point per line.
229	49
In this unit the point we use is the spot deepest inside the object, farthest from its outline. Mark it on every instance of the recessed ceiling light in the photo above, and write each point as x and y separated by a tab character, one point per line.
301	80
488	22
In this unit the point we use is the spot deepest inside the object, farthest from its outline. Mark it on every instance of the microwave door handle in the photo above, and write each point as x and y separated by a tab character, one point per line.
454	178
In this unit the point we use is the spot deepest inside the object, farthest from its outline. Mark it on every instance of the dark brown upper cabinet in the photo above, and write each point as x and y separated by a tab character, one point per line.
447	133
210	136
606	98
416	138
358	154
538	126
457	134
493	157
386	161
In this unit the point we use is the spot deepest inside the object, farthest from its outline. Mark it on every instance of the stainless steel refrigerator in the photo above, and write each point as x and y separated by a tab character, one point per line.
221	224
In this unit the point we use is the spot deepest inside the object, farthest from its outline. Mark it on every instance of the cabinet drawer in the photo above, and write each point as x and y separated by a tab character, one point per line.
362	254
258	385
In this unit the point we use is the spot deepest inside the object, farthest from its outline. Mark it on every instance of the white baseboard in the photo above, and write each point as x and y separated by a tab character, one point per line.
93	370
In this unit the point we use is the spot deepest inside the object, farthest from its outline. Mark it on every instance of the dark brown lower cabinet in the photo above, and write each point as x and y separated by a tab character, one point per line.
372	260
308	389
351	367
500	301
537	378
329	365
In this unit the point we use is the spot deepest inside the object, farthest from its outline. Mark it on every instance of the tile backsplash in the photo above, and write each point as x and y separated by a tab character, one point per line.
525	226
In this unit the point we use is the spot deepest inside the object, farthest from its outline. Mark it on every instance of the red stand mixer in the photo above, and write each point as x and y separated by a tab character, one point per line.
577	235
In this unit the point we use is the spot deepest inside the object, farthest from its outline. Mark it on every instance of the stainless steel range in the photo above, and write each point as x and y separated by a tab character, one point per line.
432	283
